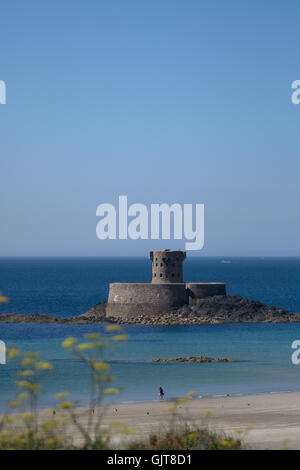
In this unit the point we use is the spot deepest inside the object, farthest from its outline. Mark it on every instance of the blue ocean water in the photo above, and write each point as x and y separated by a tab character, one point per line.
67	287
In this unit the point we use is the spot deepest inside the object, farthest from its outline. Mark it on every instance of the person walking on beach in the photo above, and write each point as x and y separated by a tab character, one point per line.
161	393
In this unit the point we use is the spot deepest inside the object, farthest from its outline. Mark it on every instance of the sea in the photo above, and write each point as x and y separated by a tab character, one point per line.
70	286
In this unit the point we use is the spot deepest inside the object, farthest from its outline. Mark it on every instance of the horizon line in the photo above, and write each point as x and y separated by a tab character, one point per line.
143	256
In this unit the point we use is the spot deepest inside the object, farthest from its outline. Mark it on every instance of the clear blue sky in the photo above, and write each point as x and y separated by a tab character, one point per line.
161	100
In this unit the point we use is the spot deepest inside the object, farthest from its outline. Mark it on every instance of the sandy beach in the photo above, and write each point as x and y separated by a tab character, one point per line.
269	421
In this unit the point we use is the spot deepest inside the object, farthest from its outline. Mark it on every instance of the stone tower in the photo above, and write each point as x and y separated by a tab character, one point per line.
167	266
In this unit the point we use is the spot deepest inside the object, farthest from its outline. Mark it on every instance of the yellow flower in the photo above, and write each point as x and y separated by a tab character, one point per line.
226	443
112	391
110	378
22	396
48	411
13	352
61	396
191	395
27	361
49	425
44	366
34	387
26	373
30	386
92	335
33	355
24	383
100	366
171	408
85	346
113	328
69	342
100	344
120	337
239	431
126	430
66	405
14	404
181	400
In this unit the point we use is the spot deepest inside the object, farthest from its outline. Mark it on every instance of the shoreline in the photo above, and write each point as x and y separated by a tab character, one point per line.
168	400
212	397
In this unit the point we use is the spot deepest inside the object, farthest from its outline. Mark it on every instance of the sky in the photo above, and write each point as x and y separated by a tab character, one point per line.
165	101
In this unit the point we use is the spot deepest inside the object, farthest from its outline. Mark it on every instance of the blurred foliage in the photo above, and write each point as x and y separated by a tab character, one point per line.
178	435
67	426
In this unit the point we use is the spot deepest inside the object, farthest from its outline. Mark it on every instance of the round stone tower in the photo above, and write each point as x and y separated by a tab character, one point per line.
167	266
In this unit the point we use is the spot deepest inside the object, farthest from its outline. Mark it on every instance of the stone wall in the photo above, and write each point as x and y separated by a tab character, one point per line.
134	299
199	290
167	266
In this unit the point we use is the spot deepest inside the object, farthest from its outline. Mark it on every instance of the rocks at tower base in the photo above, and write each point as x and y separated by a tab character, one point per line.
130	300
216	310
211	310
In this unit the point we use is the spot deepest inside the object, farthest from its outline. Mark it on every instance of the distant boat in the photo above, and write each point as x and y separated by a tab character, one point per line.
225	261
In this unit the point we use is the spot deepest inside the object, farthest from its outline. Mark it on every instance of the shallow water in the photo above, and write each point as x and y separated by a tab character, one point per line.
68	287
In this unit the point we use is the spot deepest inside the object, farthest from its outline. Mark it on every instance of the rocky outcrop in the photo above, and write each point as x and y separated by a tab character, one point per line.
29	318
219	309
95	315
211	310
195	359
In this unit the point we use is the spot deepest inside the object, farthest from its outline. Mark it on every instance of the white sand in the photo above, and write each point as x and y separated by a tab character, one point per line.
273	418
